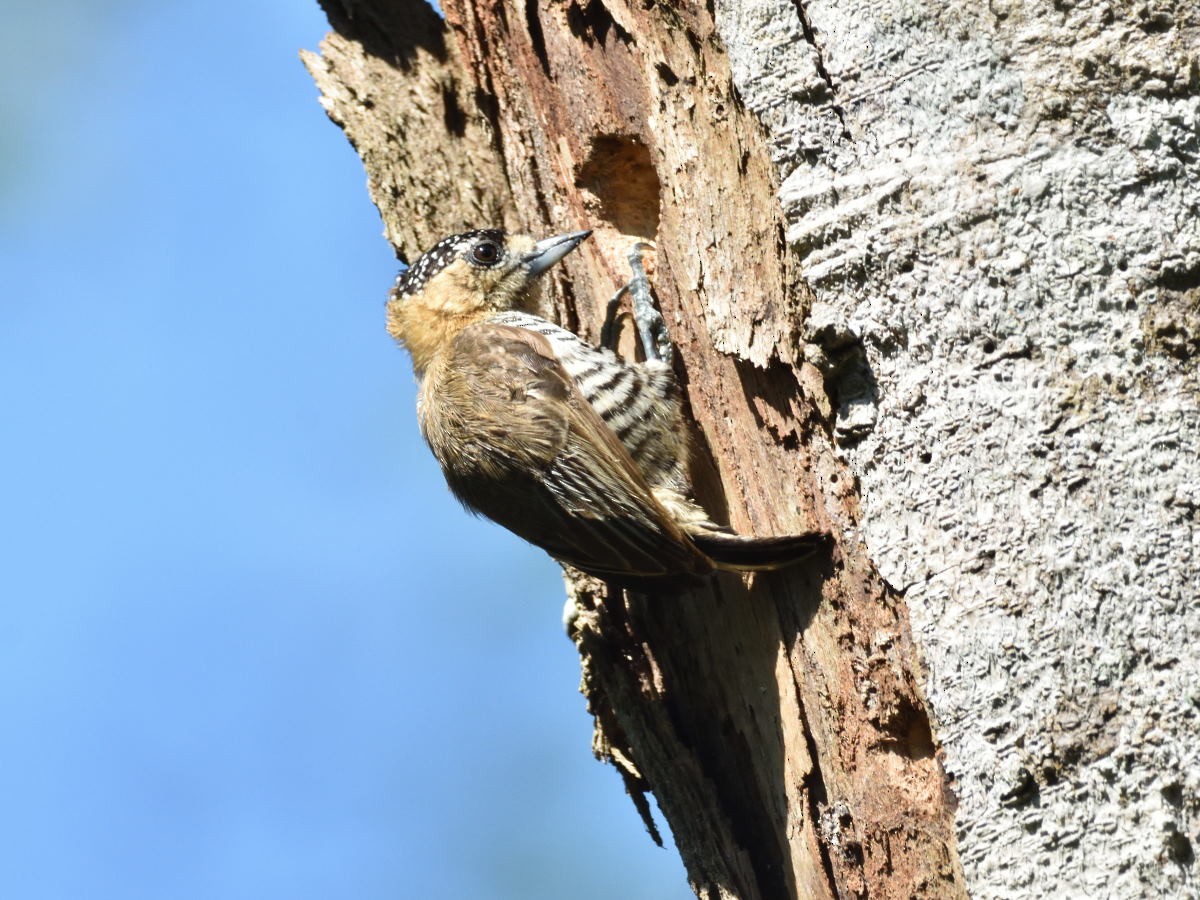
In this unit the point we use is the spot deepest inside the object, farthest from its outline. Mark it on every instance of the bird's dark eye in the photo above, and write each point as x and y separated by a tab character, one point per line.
486	253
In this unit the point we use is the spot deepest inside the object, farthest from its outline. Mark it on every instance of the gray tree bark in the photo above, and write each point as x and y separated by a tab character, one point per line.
1001	204
934	275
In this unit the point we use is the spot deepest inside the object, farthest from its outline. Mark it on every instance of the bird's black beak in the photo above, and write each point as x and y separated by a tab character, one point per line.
546	253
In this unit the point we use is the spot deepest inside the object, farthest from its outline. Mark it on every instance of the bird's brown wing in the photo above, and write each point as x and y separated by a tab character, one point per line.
521	445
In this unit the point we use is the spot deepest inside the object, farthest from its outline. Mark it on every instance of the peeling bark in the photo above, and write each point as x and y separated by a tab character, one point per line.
997	208
779	724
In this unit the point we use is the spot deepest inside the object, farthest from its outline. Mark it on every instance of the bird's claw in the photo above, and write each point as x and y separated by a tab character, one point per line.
651	327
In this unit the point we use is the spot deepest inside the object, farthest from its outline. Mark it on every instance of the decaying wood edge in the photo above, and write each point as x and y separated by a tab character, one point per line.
780	725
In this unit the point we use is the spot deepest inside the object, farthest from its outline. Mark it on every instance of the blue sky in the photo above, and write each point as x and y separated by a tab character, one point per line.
249	644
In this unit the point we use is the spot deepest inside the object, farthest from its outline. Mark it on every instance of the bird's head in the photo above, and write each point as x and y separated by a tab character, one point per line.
465	277
485	268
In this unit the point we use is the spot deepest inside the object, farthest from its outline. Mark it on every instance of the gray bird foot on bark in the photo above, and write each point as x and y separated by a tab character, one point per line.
651	327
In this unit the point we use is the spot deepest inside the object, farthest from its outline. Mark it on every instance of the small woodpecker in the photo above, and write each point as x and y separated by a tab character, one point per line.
564	443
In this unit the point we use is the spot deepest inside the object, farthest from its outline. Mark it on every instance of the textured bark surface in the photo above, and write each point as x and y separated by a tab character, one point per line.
934	277
999	204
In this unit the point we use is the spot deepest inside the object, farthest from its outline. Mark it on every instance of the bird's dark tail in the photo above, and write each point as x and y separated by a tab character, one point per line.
754	554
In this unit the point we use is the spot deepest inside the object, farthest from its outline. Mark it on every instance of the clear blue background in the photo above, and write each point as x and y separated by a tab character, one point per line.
244	644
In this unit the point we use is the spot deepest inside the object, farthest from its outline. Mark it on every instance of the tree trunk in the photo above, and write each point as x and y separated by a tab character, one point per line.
933	278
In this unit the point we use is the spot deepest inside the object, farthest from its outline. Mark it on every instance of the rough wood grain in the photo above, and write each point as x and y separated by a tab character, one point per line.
998	209
780	726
